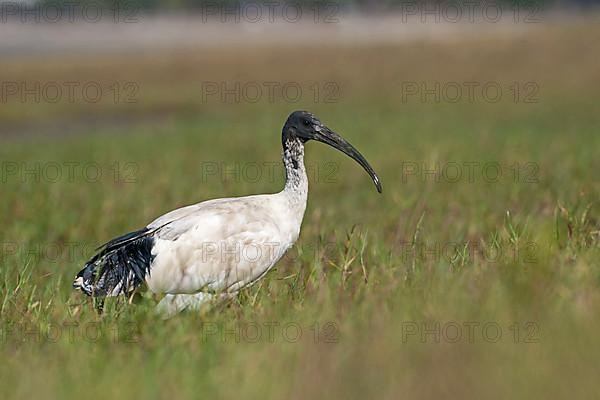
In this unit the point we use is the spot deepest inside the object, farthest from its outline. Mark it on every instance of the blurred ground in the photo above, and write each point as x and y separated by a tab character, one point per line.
172	75
156	32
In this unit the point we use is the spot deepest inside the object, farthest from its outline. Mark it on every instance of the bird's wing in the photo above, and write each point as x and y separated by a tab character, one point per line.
217	249
186	211
175	223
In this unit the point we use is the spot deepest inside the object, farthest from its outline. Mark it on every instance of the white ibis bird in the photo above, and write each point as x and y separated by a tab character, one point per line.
214	248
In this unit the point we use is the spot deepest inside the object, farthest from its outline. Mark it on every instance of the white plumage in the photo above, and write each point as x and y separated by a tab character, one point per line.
214	248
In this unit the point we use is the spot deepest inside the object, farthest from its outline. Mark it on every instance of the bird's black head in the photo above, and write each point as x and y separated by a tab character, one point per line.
303	125
306	126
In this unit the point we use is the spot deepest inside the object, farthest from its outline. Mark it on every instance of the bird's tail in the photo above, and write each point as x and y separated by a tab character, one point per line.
119	267
85	279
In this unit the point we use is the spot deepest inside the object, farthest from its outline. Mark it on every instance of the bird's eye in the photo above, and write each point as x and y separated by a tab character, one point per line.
306	122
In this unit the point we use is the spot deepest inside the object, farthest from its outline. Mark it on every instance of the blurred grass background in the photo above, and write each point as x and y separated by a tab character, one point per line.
354	264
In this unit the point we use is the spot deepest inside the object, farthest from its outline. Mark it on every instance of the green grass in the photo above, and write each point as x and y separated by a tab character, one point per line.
520	254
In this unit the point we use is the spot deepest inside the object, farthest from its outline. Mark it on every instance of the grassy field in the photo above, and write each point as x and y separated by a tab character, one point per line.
483	285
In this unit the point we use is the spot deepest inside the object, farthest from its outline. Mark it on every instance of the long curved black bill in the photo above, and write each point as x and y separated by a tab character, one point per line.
331	138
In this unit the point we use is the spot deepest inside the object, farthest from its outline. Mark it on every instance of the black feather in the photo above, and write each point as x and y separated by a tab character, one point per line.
120	265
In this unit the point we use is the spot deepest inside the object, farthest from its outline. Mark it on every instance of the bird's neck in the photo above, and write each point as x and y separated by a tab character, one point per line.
296	181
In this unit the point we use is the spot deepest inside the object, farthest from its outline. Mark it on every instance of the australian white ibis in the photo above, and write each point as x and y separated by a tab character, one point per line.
212	249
